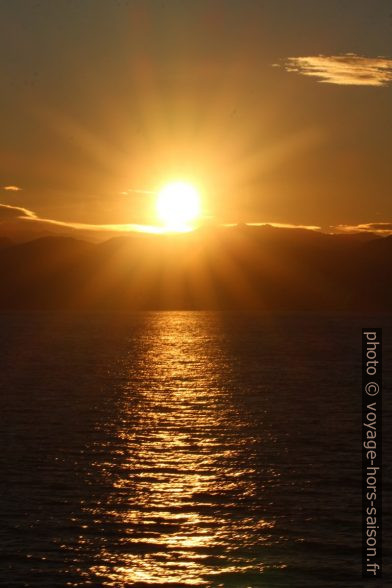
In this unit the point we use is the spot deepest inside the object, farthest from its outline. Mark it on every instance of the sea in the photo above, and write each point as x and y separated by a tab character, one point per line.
185	449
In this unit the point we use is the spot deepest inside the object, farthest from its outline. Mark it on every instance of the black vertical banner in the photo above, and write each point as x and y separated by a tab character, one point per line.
371	453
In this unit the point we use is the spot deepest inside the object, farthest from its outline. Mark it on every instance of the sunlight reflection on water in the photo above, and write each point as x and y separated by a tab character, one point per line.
186	466
182	449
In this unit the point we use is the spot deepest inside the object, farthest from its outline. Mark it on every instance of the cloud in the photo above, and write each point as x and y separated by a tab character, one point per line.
285	226
18	213
136	191
12	188
25	216
8	212
347	70
380	228
90	227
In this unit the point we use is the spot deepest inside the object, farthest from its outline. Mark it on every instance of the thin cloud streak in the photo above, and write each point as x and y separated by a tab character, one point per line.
379	228
12	188
347	70
136	191
285	226
8	212
90	227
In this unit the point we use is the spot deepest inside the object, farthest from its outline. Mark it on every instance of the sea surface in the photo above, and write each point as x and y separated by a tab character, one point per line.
185	449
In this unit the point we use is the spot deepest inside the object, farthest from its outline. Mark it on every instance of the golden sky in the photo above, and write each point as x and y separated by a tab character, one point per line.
279	111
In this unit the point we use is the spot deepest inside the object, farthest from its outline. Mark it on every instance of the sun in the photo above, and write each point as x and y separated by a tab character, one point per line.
178	206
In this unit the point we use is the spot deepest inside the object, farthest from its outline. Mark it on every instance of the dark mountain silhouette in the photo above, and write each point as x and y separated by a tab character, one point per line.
244	267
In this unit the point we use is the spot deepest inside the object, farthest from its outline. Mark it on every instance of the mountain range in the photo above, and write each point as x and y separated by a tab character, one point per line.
241	268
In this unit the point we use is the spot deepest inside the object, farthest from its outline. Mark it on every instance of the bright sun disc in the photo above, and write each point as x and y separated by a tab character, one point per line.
178	206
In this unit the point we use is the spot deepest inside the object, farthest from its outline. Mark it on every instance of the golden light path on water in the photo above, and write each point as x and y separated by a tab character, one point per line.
180	449
184	484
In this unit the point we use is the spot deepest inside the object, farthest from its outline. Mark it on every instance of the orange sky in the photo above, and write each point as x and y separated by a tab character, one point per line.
278	110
